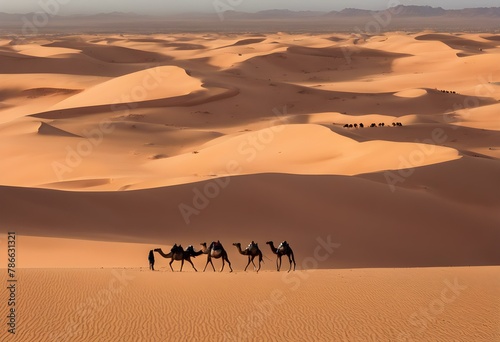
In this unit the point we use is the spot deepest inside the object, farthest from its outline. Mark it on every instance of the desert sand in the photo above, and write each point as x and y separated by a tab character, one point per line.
439	304
112	145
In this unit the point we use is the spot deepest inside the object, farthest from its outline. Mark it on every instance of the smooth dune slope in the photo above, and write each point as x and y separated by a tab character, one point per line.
400	230
154	83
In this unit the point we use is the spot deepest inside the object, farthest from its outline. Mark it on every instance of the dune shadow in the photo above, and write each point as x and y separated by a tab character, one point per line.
411	221
330	64
434	102
48	129
244	42
69	64
456	137
495	38
467	47
213	92
110	53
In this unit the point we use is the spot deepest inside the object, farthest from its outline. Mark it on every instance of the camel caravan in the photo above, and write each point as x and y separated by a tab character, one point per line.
380	124
216	251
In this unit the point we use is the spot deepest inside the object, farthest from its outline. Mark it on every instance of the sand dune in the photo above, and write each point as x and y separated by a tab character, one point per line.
70	64
338	52
35	50
492	38
111	145
110	54
326	153
39	92
185	115
150	84
374	239
302	63
483	117
411	93
213	93
248	41
459	43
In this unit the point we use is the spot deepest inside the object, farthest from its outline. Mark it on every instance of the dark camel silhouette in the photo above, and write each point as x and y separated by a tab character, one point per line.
283	249
251	251
179	254
215	250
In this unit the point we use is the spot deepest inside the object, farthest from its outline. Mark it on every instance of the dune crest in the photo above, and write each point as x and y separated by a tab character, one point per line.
150	84
411	93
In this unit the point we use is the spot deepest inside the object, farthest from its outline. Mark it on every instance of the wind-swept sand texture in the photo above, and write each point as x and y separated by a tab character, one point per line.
112	145
440	304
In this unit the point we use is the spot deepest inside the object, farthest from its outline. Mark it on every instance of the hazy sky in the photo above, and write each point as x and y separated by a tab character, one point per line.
175	6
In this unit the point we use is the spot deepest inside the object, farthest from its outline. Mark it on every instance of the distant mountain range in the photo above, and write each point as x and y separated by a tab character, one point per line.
421	17
398	11
424	11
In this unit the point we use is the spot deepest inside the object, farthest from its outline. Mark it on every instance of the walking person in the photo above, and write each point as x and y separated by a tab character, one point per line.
151	258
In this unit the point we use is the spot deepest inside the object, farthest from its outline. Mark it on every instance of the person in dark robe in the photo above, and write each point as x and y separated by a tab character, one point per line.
151	258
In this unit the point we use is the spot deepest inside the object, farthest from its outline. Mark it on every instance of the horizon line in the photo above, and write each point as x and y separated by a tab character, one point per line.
252	12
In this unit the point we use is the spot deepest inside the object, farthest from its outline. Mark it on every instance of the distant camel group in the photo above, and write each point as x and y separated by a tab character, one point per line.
381	124
448	91
216	251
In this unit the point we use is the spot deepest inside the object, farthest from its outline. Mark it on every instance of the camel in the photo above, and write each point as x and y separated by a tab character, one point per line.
178	253
283	249
215	250
251	251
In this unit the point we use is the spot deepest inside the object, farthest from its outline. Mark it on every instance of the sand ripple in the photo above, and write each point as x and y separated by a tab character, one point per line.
335	305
